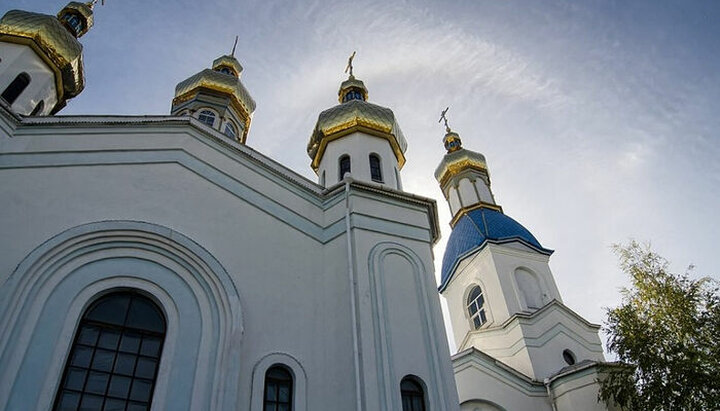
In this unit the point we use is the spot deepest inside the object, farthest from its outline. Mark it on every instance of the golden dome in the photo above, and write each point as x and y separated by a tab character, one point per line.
351	116
82	11
47	36
229	62
457	161
216	82
352	84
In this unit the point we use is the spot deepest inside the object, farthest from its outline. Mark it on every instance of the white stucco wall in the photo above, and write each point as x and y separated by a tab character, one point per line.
280	243
18	59
359	146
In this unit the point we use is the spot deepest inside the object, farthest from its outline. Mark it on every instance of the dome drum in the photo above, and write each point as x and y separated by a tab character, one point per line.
52	42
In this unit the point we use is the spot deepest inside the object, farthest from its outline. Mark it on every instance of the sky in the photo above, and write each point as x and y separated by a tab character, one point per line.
599	119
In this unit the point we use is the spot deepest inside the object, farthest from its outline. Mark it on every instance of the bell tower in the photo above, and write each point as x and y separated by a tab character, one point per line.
497	281
41	67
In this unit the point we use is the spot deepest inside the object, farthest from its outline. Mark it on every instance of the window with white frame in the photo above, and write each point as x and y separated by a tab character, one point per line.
475	307
207	117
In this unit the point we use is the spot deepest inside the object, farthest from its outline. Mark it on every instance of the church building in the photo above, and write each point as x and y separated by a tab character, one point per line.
163	263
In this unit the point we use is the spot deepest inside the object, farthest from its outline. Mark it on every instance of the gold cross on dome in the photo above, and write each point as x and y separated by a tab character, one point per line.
349	66
443	117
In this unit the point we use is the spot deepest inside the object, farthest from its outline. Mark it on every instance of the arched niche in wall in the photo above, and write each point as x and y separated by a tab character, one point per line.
400	289
42	301
530	291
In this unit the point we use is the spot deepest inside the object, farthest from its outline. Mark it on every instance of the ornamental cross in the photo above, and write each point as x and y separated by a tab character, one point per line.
92	3
443	117
234	45
349	67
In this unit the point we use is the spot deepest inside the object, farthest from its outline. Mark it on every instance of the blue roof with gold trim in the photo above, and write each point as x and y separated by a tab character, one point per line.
475	229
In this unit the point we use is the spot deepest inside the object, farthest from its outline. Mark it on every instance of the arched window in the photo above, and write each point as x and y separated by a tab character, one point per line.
13	91
230	130
278	389
569	357
207	117
344	164
38	108
475	303
226	70
375	171
114	359
413	397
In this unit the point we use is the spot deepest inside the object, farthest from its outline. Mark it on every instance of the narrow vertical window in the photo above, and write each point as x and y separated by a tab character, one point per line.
38	108
413	397
207	117
475	307
278	389
375	171
114	358
344	164
230	130
13	91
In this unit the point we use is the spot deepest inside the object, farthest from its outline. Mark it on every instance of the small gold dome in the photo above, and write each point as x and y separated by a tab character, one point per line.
351	116
80	11
47	36
458	161
230	63
218	83
349	85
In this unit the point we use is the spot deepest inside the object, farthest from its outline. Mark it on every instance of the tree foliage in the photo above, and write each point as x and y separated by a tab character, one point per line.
667	334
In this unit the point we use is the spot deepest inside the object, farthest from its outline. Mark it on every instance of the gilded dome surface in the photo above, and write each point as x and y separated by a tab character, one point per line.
219	82
49	38
457	161
351	116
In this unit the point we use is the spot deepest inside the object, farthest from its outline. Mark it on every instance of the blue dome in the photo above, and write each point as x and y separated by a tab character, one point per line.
476	228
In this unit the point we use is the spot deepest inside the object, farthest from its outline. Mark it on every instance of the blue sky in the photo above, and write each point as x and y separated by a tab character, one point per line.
599	119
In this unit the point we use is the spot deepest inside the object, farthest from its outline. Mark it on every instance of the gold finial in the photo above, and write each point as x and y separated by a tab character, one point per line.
349	66
234	45
443	117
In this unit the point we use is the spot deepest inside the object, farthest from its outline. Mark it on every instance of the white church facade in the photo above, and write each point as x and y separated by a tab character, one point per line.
160	262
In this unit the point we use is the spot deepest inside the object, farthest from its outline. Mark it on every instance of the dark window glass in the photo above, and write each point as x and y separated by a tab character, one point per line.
230	131
13	91
353	95
569	357
413	397
475	307
344	166
278	389
38	108
375	172
207	117
114	360
74	22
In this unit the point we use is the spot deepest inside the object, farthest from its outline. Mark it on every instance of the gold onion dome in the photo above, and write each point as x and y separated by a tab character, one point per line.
353	114
457	159
54	39
222	80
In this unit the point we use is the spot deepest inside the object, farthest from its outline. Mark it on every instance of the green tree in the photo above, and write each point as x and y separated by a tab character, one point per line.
666	335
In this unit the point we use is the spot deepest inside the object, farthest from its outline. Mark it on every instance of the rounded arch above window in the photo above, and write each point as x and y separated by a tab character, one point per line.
343	166
412	394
